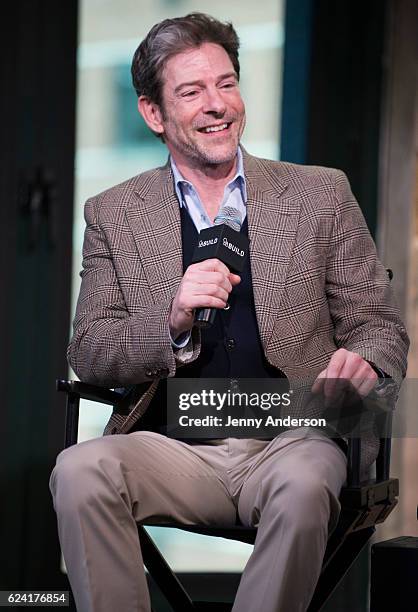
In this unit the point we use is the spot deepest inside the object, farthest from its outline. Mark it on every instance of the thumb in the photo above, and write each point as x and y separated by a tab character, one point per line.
234	279
319	382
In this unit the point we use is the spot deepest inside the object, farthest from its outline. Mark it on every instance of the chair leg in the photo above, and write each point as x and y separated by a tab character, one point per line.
163	575
343	559
71	419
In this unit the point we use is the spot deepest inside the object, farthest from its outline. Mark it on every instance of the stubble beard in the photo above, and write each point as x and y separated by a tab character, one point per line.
208	155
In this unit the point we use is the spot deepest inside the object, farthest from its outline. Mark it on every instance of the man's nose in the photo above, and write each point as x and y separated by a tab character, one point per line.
214	102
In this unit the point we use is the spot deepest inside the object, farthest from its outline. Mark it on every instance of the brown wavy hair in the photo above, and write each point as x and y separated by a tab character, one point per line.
172	36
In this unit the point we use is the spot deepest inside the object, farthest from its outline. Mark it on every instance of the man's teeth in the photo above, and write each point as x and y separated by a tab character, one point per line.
216	128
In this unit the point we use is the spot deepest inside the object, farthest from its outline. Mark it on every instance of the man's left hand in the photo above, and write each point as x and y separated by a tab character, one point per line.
350	367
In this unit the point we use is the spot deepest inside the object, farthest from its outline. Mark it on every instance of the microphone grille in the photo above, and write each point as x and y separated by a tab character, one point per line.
228	215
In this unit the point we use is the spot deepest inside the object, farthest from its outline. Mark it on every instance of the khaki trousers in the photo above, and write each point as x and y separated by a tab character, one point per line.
287	487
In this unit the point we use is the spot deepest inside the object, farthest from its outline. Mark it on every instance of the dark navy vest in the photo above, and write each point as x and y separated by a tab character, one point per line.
231	348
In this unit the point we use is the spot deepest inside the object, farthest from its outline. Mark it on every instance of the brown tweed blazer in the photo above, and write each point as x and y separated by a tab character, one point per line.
318	284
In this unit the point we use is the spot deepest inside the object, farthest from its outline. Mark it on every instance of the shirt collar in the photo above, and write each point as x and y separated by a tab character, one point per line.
238	179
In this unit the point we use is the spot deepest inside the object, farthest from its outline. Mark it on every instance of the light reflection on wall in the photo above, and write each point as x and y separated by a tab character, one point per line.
114	144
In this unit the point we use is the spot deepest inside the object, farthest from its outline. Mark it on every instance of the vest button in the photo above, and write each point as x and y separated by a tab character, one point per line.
234	385
230	344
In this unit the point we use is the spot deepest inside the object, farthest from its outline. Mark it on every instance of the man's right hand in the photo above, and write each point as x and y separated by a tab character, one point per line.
206	284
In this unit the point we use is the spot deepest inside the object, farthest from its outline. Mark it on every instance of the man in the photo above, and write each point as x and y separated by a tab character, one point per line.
313	301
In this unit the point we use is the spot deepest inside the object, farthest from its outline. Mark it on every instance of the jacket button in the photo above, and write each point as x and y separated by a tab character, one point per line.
234	385
148	373
230	344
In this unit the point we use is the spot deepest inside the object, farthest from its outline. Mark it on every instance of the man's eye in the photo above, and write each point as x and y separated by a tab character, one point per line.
227	85
189	94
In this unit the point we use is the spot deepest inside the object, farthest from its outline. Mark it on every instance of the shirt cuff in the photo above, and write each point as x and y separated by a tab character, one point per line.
181	341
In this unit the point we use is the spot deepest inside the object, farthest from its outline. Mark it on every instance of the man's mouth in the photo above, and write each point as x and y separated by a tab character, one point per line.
214	128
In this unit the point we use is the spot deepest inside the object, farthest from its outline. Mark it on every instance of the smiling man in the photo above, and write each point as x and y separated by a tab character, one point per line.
202	115
313	301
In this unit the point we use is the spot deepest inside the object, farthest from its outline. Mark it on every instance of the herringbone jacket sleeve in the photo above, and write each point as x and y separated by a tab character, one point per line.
361	301
111	344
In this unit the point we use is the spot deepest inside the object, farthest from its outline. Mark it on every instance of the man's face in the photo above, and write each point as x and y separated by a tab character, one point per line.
203	114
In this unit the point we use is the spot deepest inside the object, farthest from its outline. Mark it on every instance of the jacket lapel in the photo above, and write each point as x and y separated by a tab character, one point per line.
154	218
272	227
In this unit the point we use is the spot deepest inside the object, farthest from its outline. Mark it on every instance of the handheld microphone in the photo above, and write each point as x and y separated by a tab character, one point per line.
224	242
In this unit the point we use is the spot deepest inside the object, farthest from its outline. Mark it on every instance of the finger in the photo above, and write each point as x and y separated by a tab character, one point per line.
215	265
350	378
196	296
334	368
366	386
198	279
359	371
211	289
334	392
354	366
319	382
206	301
336	363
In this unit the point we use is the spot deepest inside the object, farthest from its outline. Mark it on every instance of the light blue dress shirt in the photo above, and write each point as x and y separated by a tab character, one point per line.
235	195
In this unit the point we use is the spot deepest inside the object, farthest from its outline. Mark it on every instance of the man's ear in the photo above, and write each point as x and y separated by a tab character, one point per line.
151	113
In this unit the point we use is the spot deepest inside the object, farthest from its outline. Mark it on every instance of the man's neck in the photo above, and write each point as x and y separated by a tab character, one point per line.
209	181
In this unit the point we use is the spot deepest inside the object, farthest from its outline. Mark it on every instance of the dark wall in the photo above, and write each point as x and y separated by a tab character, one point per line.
345	93
332	86
37	110
331	111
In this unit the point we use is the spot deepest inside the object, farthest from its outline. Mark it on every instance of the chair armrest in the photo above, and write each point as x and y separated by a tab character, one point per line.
90	392
383	458
77	390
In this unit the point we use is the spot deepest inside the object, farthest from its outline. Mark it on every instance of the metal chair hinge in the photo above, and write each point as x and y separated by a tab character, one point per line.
391	491
370	498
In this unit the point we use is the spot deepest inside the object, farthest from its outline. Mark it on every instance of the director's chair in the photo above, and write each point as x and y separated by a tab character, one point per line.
363	505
